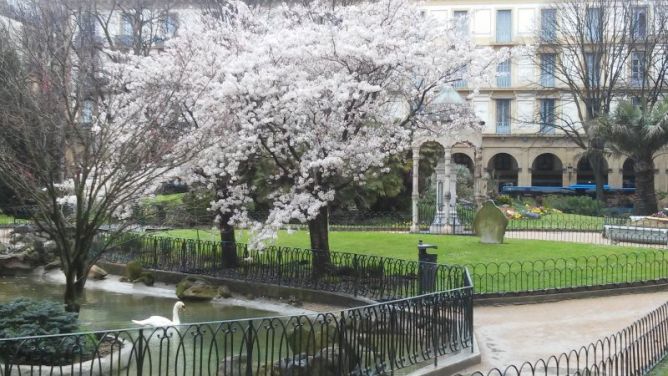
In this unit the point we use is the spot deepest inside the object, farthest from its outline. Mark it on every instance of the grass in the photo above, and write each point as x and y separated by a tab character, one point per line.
559	222
174	198
451	249
661	369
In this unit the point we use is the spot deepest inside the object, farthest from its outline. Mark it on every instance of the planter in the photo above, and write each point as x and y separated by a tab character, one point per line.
115	361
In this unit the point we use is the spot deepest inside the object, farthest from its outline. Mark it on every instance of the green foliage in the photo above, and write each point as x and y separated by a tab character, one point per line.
24	317
504	200
583	205
133	270
464	182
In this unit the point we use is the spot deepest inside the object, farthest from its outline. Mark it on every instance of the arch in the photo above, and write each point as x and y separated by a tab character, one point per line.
586	173
463	159
547	171
628	174
503	169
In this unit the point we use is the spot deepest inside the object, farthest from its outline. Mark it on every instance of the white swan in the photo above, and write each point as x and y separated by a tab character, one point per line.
158	321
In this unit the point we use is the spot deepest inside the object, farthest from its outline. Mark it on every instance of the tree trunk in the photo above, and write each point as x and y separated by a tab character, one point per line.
596	161
228	242
73	293
319	233
645	195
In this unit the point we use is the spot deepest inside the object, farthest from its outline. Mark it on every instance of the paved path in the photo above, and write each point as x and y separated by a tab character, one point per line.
513	334
575	237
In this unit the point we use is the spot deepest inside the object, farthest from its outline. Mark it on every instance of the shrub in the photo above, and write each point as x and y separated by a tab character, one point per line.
133	270
504	200
583	205
24	317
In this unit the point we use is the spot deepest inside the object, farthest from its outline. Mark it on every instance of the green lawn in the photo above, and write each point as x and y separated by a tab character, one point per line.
661	369
6	219
559	221
174	198
451	249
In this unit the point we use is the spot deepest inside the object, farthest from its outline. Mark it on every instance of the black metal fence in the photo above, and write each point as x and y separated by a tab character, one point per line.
383	278
635	350
374	277
646	266
428	313
371	340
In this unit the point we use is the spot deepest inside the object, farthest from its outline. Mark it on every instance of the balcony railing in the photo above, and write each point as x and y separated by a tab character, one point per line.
503	127
503	80
459	84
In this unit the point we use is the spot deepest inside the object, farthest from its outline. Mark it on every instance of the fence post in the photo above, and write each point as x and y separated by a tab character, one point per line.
155	254
140	353
249	349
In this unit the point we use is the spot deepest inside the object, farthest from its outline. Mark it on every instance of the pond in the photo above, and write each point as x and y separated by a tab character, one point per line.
111	304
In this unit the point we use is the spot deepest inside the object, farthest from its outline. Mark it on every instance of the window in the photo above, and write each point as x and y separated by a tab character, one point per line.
503	116
462	21
503	74
87	24
126	25
169	26
547	116
593	24
504	26
87	112
639	22
593	69
547	67
637	68
548	25
126	36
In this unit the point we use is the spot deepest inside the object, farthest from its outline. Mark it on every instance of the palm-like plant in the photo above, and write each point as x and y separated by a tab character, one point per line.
639	132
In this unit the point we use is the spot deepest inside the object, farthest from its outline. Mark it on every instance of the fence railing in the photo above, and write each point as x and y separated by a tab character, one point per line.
427	313
634	350
570	273
374	277
376	339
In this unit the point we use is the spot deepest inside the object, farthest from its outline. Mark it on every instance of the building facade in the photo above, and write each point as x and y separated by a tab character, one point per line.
521	145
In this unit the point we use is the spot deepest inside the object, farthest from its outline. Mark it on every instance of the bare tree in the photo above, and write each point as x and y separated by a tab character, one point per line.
583	53
83	137
638	128
136	25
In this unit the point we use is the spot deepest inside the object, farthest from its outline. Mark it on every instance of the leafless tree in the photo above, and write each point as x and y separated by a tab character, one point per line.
78	141
584	46
136	25
638	128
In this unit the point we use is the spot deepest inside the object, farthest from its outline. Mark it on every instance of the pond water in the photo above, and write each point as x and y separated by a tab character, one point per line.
112	304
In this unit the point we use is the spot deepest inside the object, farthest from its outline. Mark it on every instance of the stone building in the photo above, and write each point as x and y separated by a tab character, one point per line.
519	146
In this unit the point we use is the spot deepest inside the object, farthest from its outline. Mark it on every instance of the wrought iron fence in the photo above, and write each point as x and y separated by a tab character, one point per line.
634	350
570	273
374	277
376	339
427	313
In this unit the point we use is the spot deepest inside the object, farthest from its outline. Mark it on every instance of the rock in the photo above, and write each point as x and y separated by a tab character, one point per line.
50	246
224	292
293	301
490	224
146	278
193	288
52	265
305	337
3	248
97	273
23	229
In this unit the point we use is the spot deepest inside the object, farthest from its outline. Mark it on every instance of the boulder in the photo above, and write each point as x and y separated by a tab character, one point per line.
53	265
97	273
194	288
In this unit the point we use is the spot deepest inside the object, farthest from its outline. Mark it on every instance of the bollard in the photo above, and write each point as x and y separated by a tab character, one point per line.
426	268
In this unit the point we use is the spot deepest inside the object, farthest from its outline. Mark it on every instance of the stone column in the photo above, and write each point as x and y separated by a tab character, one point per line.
479	186
439	225
415	194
